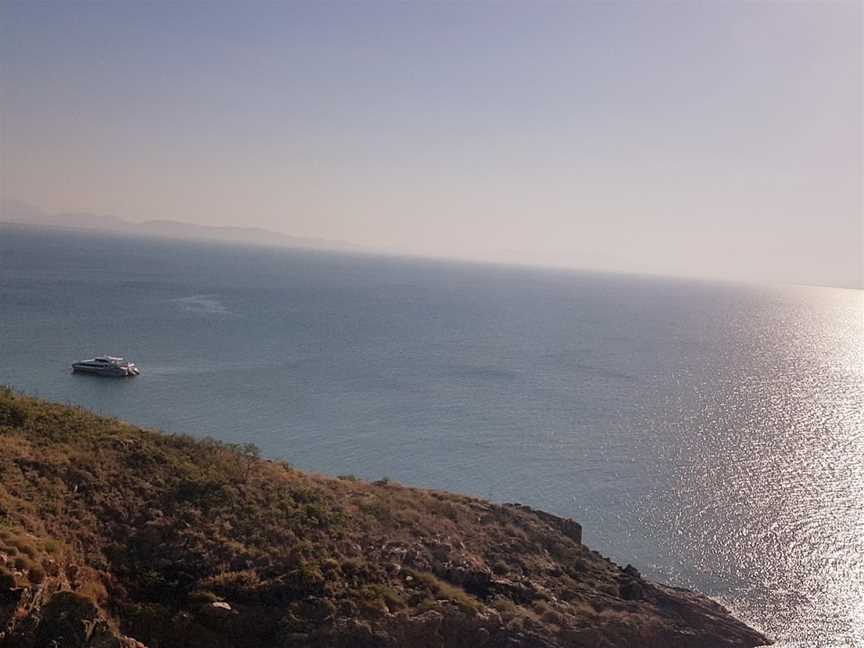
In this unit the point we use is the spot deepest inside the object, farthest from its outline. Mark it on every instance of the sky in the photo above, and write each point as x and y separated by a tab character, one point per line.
719	139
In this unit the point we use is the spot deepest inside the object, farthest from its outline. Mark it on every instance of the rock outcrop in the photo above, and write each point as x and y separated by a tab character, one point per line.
116	537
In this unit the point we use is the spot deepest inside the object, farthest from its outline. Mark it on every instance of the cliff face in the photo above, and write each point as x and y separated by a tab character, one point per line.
113	536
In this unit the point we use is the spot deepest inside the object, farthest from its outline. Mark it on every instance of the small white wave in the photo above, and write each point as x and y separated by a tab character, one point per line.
205	304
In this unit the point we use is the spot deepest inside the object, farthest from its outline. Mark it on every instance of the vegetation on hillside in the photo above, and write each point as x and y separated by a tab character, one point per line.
112	535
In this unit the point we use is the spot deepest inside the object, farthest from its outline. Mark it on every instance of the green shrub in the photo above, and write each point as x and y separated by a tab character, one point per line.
148	620
500	567
36	575
442	590
355	568
24	545
12	414
307	578
233	584
201	492
93	590
51	546
505	606
7	580
203	597
378	593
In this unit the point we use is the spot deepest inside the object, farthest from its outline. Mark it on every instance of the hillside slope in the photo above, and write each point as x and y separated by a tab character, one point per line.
111	535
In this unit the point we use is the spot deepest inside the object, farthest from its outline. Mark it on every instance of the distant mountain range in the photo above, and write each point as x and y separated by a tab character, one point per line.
19	213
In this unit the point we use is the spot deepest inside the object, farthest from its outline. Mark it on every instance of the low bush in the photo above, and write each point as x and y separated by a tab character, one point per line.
12	414
24	546
7	579
36	575
383	593
442	590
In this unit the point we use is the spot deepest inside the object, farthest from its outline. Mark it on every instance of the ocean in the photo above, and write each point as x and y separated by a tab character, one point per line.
711	434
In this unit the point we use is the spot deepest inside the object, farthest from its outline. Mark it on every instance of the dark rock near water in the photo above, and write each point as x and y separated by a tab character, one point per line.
566	526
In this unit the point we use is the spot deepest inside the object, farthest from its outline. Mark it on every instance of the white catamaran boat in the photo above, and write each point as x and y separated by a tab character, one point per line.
107	366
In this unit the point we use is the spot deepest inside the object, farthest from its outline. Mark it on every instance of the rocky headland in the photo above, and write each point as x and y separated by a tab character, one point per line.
113	536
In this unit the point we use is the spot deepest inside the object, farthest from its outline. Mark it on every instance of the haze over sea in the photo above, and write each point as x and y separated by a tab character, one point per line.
711	434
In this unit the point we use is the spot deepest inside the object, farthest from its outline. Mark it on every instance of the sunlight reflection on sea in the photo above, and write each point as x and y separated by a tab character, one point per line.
769	498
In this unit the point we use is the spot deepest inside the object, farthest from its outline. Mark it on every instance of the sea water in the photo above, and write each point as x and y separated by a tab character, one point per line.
711	434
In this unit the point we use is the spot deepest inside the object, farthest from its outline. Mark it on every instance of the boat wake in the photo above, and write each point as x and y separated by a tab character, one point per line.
204	304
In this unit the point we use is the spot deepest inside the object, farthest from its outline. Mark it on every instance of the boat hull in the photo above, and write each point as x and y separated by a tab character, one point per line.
107	372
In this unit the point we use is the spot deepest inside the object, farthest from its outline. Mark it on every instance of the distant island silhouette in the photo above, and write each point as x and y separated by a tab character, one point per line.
15	212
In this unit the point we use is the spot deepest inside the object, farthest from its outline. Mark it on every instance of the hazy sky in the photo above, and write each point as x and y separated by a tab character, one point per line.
698	138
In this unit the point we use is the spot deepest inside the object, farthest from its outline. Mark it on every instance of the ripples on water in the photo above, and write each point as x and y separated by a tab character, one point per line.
768	496
711	434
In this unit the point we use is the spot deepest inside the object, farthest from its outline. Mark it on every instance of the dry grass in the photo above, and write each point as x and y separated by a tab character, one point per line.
156	528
